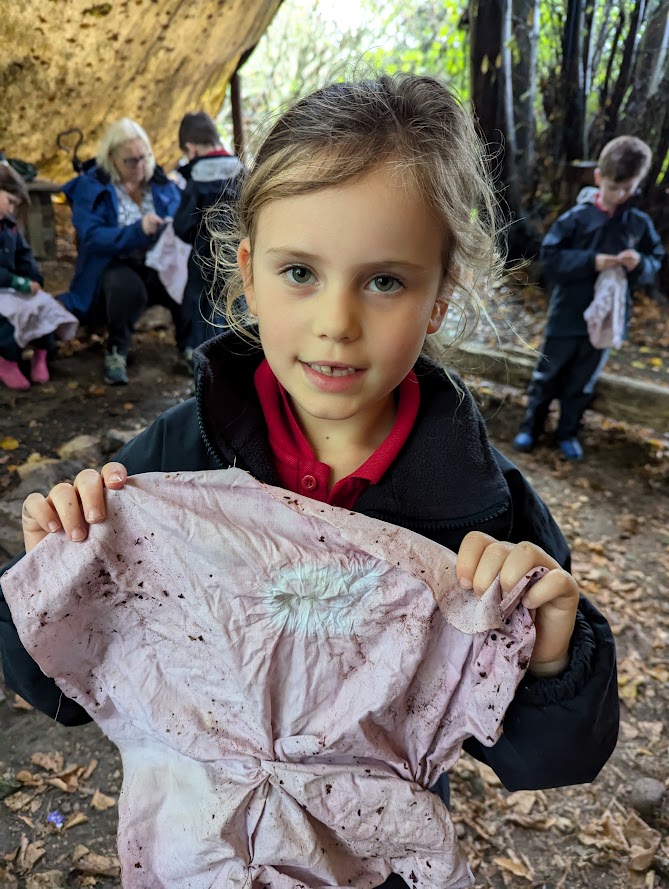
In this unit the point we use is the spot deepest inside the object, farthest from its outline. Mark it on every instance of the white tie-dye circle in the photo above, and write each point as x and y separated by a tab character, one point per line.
321	600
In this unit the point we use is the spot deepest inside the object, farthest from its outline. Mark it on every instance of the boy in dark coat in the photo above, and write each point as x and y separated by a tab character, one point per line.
590	238
213	176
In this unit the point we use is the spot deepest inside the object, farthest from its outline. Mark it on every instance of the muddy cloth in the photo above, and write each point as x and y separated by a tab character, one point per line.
605	316
169	257
35	315
284	680
447	480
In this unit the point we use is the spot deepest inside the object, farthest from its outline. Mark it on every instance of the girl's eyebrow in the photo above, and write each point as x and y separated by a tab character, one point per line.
296	254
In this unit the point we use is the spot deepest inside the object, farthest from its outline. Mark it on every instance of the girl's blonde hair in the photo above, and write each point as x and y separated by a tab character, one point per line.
342	132
116	134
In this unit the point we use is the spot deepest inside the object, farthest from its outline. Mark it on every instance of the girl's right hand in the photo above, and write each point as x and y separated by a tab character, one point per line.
70	508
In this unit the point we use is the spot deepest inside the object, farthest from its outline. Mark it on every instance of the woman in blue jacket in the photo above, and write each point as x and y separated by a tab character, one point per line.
120	203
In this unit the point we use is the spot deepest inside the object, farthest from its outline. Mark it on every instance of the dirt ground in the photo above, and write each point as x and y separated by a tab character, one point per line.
59	787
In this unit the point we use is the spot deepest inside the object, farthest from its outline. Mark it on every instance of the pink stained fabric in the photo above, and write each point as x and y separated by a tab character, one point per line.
283	679
605	316
33	315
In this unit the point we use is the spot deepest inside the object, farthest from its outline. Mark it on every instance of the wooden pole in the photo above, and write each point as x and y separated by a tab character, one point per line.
237	124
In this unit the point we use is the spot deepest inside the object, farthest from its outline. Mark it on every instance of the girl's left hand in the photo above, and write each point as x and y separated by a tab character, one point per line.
554	596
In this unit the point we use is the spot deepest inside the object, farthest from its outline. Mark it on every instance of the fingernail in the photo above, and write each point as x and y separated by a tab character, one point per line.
53	526
465	583
77	534
115	477
94	515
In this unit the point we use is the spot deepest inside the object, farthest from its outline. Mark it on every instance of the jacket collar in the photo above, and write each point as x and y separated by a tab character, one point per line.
446	474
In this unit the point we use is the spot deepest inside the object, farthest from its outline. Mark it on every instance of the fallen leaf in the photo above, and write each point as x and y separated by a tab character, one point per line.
91	863
101	802
49	879
514	866
8	443
643	842
29	854
20	704
88	771
20	800
75	819
52	762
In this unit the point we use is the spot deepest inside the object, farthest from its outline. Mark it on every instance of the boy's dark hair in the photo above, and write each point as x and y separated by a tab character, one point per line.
197	127
623	158
11	182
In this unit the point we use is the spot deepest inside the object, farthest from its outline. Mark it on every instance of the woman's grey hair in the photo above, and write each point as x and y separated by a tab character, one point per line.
342	132
116	134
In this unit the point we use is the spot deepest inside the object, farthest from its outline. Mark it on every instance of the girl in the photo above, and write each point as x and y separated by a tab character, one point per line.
28	316
368	207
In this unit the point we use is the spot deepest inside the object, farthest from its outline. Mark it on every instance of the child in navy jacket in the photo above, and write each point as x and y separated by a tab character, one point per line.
19	271
607	233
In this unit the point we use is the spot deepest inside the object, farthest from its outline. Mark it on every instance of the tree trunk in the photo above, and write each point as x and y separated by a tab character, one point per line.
573	96
526	33
649	67
492	97
624	75
588	69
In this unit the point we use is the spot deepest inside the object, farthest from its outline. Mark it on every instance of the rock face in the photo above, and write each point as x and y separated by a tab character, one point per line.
82	63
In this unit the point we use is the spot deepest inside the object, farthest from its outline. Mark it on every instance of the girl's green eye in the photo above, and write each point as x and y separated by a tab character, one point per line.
385	284
298	274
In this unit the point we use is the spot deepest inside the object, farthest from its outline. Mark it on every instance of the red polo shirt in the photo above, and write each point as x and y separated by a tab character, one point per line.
295	462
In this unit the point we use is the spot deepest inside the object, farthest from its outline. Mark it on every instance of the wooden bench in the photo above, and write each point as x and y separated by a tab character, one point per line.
38	219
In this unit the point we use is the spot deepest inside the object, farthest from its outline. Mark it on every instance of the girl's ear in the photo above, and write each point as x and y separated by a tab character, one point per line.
244	263
438	314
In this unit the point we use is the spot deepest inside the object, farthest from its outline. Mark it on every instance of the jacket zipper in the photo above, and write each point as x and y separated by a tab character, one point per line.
211	450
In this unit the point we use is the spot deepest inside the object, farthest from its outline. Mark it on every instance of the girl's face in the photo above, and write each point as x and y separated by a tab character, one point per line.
130	161
345	283
9	204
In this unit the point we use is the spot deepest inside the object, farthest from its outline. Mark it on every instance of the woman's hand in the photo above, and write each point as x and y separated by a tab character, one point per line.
151	222
554	597
70	508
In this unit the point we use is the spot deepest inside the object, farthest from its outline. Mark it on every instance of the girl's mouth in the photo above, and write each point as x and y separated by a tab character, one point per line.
330	370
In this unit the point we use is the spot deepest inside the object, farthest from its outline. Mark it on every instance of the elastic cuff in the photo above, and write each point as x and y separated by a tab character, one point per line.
568	684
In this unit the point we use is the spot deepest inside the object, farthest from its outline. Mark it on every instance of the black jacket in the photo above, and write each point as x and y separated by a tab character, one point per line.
214	179
16	257
446	481
568	259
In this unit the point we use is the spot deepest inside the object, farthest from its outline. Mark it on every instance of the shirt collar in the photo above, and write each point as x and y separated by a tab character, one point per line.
291	450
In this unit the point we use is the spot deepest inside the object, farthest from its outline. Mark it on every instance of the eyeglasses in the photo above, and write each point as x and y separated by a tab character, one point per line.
134	161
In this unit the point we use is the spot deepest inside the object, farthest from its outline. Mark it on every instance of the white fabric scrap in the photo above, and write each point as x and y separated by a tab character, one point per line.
605	316
169	257
284	680
33	315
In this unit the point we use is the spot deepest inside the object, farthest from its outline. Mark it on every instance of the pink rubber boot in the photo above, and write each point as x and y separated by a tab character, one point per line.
39	372
10	374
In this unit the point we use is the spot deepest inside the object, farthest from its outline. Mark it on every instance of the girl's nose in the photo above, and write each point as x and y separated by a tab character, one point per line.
337	313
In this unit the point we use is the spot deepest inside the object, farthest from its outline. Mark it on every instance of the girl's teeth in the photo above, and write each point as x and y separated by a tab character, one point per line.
332	371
